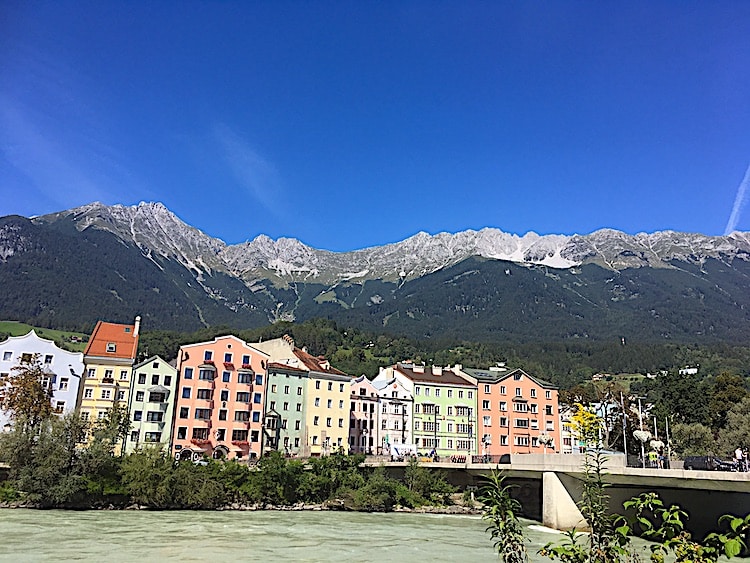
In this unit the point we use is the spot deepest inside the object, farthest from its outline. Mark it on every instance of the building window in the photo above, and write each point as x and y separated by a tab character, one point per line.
154	416
502	389
208	355
460	394
123	375
222	414
297	424
48	359
63	384
450	411
519	392
239	435
316	420
330	386
503	406
188	373
417	390
503	440
328	422
243	397
106	394
111	347
286	406
317	401
258	379
224	394
486	388
521	440
202	414
548	409
522	423
548	394
182	432
533	393
204	394
299	390
256	416
246	360
206	374
286	389
272	406
167	380
139	396
257	398
487	421
228	357
134	435
241	416
137	415
91	372
200	433
7	356
341	422
450	393
503	421
426	391
226	377
329	404
186	392
485	405
273	388
121	395
184	412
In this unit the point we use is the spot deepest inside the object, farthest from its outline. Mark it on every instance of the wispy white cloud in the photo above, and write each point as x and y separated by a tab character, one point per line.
739	203
253	172
54	141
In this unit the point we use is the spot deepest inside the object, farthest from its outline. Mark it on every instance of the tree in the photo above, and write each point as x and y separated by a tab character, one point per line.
728	390
28	394
692	439
736	431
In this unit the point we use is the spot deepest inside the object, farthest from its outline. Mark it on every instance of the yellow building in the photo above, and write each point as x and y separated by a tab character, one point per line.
327	412
108	361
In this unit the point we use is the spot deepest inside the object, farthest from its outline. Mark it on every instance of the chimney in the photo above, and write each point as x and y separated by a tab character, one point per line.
137	326
437	370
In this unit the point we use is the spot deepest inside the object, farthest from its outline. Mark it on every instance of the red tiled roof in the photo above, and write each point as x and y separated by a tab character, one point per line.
446	377
316	363
126	345
287	367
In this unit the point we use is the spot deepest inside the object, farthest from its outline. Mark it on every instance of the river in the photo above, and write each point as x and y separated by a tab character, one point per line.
56	535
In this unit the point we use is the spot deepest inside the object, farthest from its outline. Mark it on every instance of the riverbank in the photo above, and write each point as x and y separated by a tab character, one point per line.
328	506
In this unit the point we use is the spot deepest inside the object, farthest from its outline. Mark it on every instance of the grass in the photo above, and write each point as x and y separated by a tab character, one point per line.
62	337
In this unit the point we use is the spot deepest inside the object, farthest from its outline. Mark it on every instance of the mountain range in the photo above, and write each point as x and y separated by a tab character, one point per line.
69	269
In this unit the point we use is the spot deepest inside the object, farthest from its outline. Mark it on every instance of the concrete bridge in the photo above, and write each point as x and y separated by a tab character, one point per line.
549	486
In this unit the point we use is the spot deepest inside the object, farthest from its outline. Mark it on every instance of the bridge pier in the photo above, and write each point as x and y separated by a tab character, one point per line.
559	509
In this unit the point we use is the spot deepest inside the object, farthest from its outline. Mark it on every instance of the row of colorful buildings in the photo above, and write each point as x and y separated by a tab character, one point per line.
227	398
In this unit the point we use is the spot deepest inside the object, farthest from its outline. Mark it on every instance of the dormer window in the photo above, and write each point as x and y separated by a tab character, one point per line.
111	347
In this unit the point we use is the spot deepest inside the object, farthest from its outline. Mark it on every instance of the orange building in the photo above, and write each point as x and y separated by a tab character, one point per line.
219	402
516	412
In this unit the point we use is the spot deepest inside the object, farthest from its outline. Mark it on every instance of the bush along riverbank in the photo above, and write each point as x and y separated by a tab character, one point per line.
49	468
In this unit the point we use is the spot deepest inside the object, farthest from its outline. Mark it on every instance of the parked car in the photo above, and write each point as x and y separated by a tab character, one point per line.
699	462
708	463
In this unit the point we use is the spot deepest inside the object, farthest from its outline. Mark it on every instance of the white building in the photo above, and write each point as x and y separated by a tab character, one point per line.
396	411
62	369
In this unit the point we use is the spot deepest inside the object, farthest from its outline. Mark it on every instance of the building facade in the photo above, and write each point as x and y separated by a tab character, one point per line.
325	428
285	409
151	405
443	419
108	358
62	370
219	402
395	414
517	413
364	430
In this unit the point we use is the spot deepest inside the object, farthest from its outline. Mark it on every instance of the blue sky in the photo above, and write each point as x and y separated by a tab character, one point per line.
352	124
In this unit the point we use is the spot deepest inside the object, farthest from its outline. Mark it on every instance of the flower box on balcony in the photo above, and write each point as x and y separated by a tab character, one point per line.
247	366
200	441
240	442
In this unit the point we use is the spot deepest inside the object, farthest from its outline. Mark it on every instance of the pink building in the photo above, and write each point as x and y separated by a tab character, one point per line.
364	435
220	396
516	413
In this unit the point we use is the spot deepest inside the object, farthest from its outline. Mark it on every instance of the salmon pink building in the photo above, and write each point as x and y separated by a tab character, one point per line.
516	412
219	403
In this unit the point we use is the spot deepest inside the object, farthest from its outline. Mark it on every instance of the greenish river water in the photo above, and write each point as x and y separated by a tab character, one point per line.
55	535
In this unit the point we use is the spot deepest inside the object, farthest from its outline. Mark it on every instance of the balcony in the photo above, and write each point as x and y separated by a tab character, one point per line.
200	442
108	380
